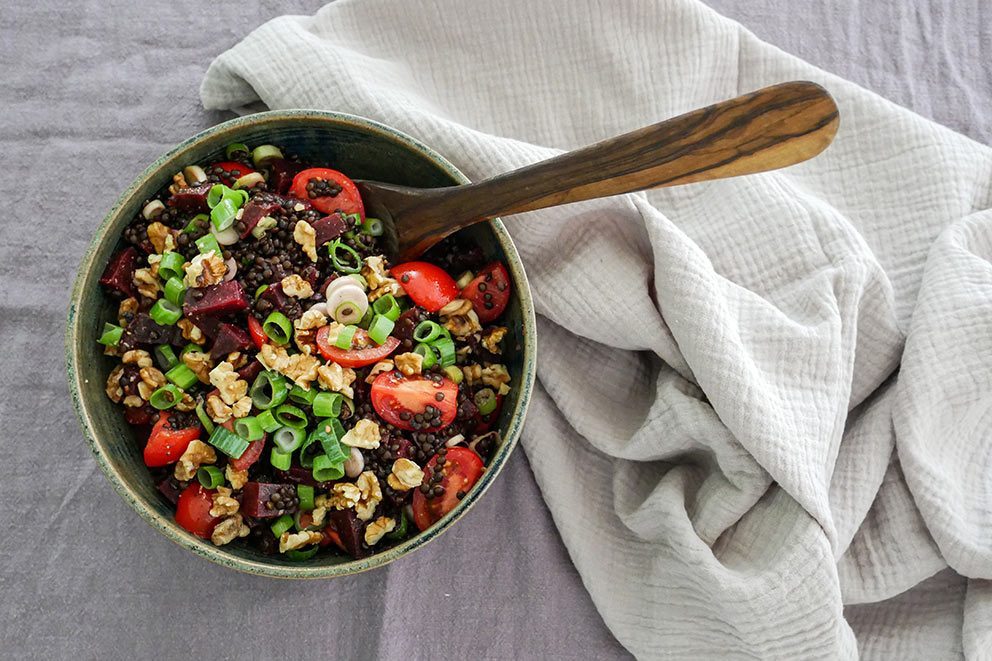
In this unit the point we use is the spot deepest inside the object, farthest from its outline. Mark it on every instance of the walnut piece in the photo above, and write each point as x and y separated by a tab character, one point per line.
126	310
133	401
378	368
406	475
344	495
145	390
218	411
291	541
409	363
223	505
229	530
336	378
365	434
147	283
242	407
301	368
306	236
491	339
187	403
297	287
379	281
113	389
231	387
305	330
197	453
161	237
152	376
368	485
178	181
497	377
138	357
199	363
236	478
472	373
237	359
459	318
379	529
191	332
205	269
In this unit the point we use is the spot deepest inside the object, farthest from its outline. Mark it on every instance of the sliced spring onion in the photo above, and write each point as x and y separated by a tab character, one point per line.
175	290
268	421
181	376
347	408
301	396
165	397
263	225
305	493
260	291
445	348
328	433
290	416
226	237
210	477
249	428
189	348
454	373
153	209
262	154
268	390
194	175
216	194
427	352
165	313
362	282
227	442
399	532
373	226
327	404
299	555
205	420
427	331
344	258
236	148
280	460
367	319
380	328
249	180
288	439
347	303
208	243
166	357
222	216
111	335
309	450
278	327
485	401
353	218
325	469
387	307
464	279
196	223
345	337
171	265
282	524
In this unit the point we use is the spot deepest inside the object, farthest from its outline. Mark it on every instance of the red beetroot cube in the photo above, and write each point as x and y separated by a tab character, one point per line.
215	300
119	274
229	338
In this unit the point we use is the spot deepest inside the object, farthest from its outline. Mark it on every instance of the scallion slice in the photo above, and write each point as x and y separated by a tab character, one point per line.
216	194
485	401
171	265
175	290
282	524
268	421
208	243
345	337
189	348
210	477
325	469
347	408
299	555
280	460
166	357
111	335
289	415
301	396
373	226
268	390
288	439
249	428
249	180
278	327
182	376
445	348
261	290
328	433
399	532
387	307
344	258
165	397
327	404
305	493
367	319
262	154
205	420
222	216
227	442
196	223
236	148
454	373
362	282
427	331
380	328
165	313
427	352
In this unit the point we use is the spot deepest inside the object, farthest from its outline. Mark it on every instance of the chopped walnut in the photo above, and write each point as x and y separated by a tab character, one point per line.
318	515
379	529
191	332
472	373
147	283
242	407
205	269
187	403
336	378
113	389
378	368
236	478
459	318
392	287
111	350
228	530
371	492
491	339
161	237
297	287
197	453
365	434
133	401
406	475
409	363
145	390
226	380
199	363
152	376
178	181
218	411
305	330
291	541
224	505
126	310
344	495
497	377
301	368
379	281
138	357
305	235
237	359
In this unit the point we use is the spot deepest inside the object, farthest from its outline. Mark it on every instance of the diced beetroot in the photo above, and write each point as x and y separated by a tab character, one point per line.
351	530
229	338
139	415
405	449
254	211
273	298
250	371
119	274
209	325
299	475
215	300
144	330
257	499
310	273
330	227
170	489
281	173
191	199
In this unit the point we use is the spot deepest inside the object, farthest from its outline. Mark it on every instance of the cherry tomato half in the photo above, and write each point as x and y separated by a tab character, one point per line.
229	168
462	469
428	285
398	399
193	510
258	336
165	445
346	201
489	292
249	456
364	351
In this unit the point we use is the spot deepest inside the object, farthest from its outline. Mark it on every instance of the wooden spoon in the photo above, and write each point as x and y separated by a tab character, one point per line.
769	129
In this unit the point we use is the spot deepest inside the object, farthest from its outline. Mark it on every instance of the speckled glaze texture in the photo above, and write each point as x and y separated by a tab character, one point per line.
362	148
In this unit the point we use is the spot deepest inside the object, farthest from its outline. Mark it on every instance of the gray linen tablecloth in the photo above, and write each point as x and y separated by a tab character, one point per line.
92	92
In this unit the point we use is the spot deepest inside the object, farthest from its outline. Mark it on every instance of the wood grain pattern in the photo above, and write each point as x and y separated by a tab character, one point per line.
765	130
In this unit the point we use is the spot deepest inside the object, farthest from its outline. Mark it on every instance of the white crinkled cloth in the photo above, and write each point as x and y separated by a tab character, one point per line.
763	422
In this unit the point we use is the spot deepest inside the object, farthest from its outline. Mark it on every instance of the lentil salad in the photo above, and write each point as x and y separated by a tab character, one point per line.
296	388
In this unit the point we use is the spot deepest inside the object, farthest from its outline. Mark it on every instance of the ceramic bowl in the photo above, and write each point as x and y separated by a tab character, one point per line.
363	149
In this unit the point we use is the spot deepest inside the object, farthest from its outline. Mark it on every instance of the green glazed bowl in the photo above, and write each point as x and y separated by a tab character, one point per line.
363	149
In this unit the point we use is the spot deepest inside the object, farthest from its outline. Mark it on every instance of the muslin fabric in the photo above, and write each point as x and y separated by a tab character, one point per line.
762	422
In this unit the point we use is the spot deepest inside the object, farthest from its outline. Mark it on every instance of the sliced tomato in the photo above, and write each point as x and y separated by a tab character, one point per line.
363	352
258	336
249	456
428	285
489	292
193	510
165	445
461	470
399	399
346	201
229	168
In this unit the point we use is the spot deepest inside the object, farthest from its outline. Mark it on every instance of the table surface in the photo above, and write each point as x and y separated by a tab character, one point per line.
92	92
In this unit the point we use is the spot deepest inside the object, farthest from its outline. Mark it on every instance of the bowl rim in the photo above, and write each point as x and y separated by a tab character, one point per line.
203	548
